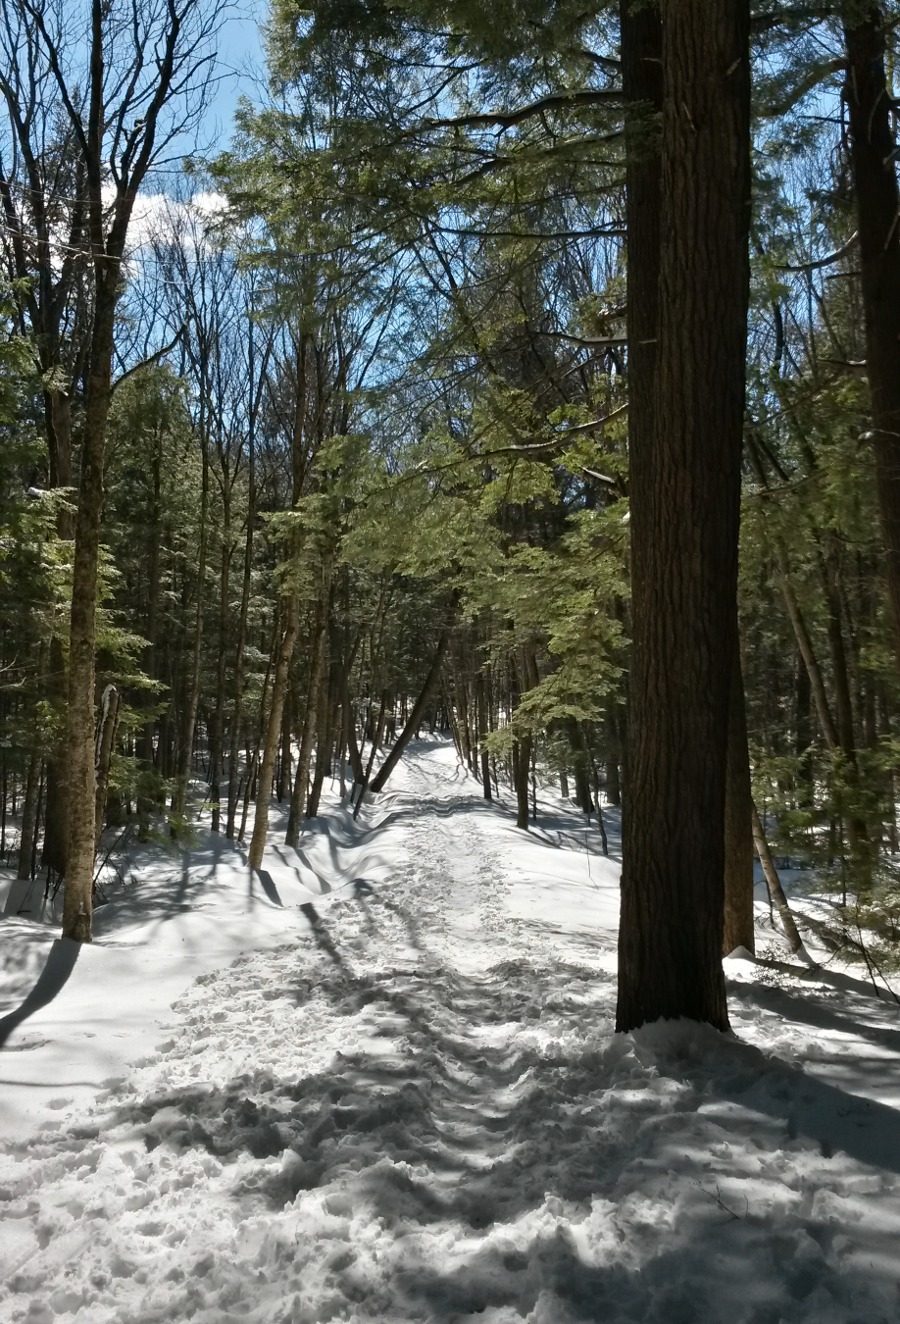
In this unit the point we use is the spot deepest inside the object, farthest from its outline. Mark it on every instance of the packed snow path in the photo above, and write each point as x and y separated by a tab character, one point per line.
415	1110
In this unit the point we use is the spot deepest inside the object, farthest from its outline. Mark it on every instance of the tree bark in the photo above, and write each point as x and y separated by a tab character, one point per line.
81	777
873	150
685	514
521	762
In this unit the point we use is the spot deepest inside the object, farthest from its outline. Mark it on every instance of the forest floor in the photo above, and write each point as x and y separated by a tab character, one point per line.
379	1083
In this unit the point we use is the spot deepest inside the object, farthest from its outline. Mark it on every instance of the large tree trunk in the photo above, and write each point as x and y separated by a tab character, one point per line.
873	152
685	514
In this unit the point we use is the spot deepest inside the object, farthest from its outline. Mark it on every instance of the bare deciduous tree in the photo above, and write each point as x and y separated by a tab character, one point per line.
123	81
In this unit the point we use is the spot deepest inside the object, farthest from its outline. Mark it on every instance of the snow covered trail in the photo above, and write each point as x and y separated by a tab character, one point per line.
416	1110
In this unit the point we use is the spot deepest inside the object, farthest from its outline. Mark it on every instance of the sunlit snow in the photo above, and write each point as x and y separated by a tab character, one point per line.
379	1083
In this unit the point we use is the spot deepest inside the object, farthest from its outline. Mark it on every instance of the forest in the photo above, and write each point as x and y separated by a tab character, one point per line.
528	371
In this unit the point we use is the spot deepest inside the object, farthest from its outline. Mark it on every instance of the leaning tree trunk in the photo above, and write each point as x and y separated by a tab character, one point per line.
873	152
773	883
418	710
685	516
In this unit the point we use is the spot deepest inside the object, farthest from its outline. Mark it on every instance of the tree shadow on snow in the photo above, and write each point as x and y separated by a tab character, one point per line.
805	1007
570	1162
60	963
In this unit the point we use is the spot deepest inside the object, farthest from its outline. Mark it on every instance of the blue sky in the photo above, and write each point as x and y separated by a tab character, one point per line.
241	66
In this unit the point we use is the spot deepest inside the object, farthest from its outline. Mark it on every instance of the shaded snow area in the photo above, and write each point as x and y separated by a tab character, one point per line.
380	1084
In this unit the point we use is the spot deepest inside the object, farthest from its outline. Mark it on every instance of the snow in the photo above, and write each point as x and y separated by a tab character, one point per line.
379	1083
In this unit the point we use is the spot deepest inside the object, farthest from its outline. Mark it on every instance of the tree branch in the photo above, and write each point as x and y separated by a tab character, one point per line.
507	119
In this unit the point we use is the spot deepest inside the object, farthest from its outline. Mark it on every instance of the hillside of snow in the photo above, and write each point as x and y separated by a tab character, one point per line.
379	1083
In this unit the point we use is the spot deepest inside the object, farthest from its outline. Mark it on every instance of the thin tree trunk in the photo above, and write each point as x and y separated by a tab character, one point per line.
521	760
354	756
273	730
738	825
106	736
285	758
217	726
189	720
237	688
613	759
56	815
810	661
310	718
80	772
29	812
376	735
58	410
153	592
481	705
324	745
776	891
595	780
